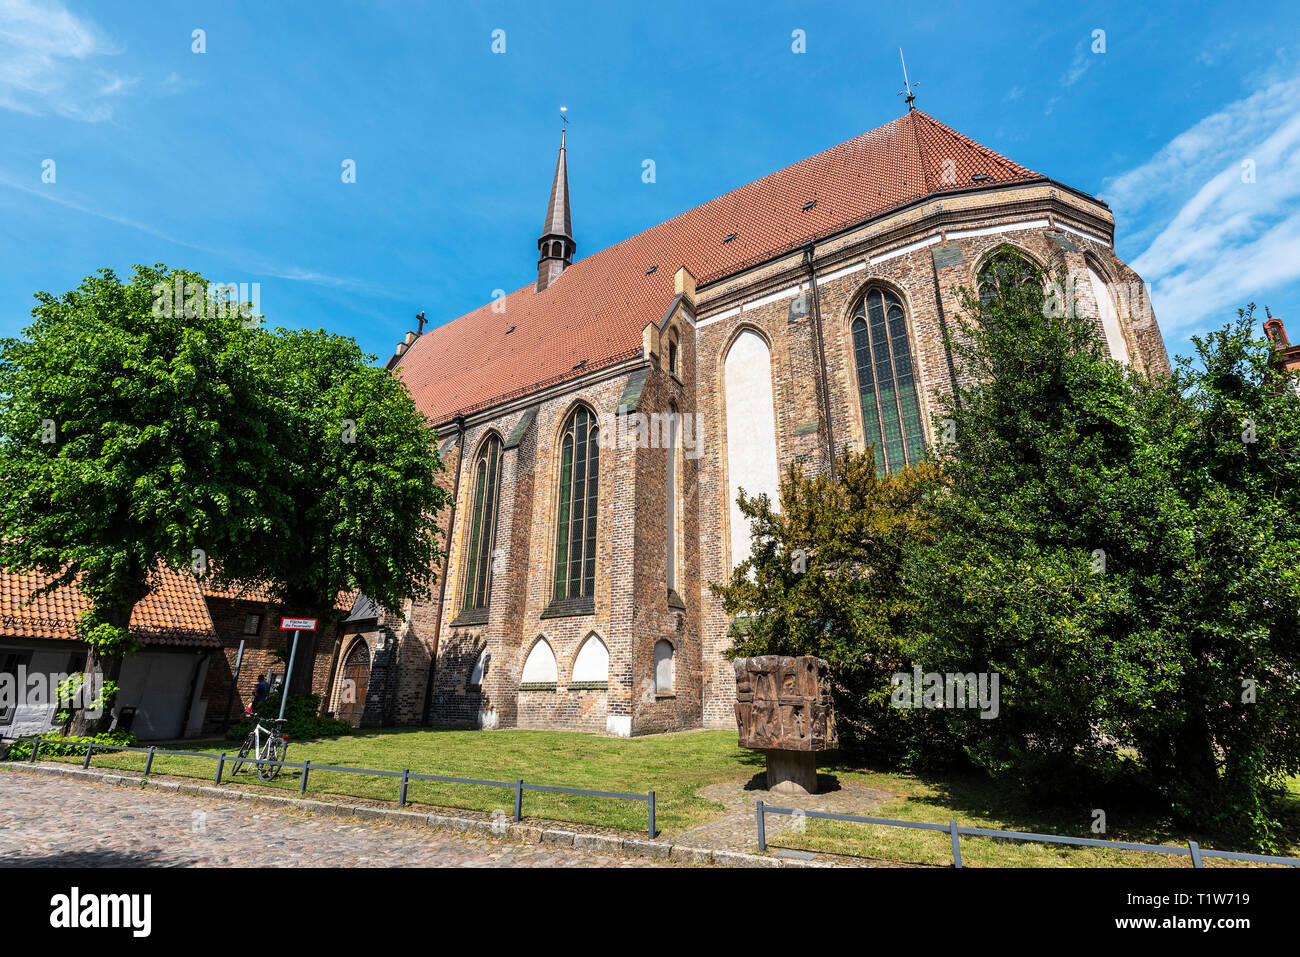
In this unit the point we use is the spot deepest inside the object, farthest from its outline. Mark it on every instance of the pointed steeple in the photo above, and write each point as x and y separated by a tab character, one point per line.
556	245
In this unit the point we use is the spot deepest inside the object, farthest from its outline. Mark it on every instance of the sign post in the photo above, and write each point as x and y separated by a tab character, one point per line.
298	625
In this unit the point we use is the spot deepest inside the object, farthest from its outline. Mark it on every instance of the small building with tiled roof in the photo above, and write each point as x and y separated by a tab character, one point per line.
162	684
599	422
247	622
203	647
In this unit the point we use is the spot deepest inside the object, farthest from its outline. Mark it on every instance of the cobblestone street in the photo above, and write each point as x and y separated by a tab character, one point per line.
57	822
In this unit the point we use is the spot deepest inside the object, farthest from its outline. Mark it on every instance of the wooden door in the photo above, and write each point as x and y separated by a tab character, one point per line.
353	683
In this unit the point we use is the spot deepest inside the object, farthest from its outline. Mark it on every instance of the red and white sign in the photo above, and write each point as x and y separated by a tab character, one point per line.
297	624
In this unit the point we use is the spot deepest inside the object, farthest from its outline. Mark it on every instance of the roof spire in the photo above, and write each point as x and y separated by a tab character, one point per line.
906	92
556	245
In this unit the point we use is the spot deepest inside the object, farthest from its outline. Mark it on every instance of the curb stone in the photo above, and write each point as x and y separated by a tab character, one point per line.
527	833
691	855
602	843
660	849
741	859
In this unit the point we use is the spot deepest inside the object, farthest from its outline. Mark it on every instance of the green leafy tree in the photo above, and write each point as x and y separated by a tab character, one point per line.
141	424
130	434
1122	552
1049	488
827	577
357	493
1228	733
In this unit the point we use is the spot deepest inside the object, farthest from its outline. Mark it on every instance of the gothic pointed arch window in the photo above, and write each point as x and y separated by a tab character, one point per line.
891	413
751	432
483	526
591	667
539	673
1006	270
479	672
1109	316
575	514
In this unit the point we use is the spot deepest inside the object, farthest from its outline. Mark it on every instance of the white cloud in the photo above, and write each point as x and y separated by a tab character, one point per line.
51	63
1214	240
1078	67
247	261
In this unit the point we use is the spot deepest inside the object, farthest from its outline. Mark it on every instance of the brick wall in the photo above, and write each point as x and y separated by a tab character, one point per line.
924	255
929	287
228	617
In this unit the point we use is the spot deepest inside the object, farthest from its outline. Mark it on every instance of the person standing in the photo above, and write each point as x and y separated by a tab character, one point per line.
260	692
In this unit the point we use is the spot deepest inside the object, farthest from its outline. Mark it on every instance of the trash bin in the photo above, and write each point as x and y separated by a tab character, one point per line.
125	718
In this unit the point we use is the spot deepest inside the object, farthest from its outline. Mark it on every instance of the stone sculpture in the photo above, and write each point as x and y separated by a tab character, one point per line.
784	708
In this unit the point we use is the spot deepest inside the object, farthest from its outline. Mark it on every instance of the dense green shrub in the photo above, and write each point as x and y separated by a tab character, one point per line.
827	577
55	745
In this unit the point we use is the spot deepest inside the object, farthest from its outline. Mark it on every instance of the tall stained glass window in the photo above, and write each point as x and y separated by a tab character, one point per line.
575	516
891	413
483	525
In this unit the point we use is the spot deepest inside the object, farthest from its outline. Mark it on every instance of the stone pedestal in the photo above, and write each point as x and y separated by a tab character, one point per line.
792	772
784	709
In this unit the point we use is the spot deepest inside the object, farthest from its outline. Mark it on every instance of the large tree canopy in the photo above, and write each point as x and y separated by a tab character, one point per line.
129	437
1123	552
357	480
146	422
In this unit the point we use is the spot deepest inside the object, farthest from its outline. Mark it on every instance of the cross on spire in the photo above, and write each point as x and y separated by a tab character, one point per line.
907	93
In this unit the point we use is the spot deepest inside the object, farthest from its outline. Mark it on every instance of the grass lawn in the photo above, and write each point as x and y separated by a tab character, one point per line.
975	801
675	766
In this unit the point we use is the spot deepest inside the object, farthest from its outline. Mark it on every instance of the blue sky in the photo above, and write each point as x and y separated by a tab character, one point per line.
229	161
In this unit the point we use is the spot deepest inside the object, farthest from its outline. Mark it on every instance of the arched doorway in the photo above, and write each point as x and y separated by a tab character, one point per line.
354	681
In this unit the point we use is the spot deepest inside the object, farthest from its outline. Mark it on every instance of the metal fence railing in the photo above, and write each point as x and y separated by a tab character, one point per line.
1193	850
407	775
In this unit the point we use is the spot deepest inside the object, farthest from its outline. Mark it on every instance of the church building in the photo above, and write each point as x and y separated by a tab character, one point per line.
597	423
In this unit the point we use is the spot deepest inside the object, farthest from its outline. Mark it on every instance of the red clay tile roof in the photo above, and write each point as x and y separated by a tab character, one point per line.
595	310
174	612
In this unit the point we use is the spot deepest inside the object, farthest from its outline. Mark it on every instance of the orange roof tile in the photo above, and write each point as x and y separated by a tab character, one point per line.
595	310
173	613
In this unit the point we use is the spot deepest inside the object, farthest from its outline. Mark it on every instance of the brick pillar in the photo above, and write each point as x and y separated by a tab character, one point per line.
505	636
622	690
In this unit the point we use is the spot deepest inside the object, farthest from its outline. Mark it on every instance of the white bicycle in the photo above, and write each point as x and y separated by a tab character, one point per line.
268	744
